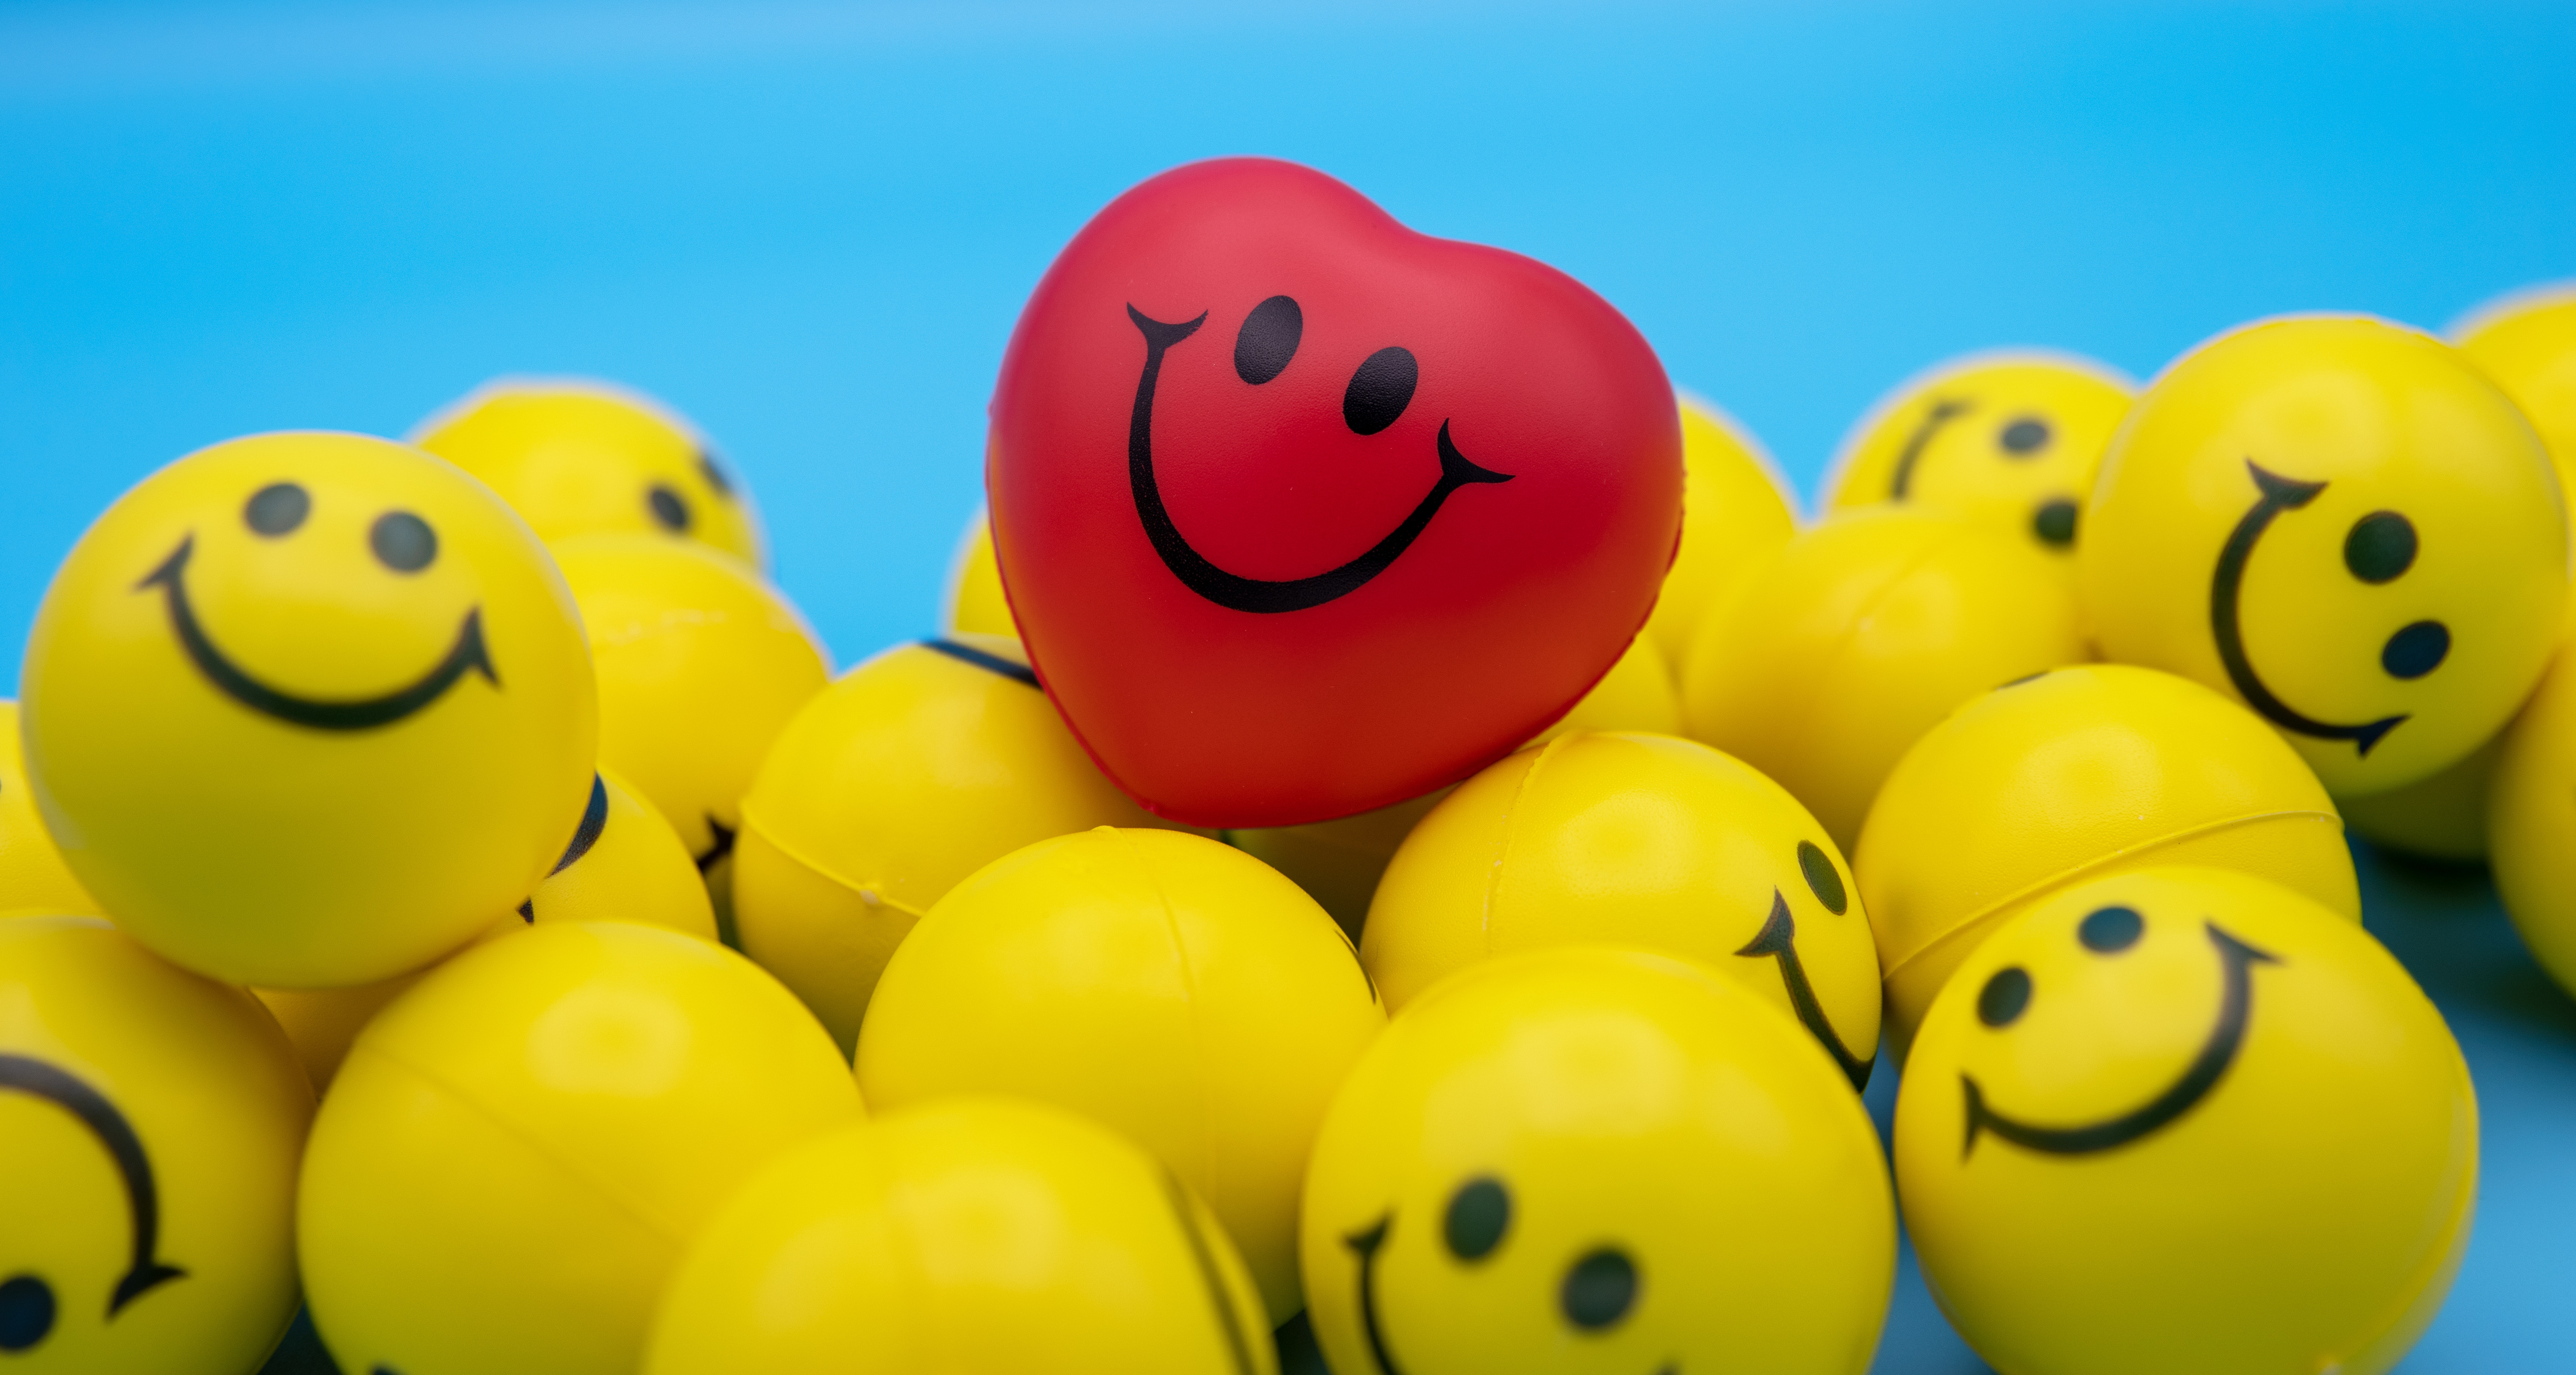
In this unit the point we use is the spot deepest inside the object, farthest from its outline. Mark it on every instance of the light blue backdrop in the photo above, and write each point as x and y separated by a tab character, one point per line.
810	227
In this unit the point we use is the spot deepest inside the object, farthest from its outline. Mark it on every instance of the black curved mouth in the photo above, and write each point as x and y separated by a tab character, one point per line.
466	655
2227	585
2236	1009
1945	410
1365	1243
40	1079
1237	1341
1778	939
1232	591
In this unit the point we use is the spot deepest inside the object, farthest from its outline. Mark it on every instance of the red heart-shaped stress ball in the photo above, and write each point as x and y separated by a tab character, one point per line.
1303	513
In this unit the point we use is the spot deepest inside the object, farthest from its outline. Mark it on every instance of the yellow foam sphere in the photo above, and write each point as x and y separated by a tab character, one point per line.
1596	1160
33	877
975	604
700	664
2531	821
2527	343
306	710
2186	1119
1736	513
1636	694
2007	439
1865	631
1176	989
2073	774
2344	525
1635	840
587	458
973	1236
912	771
624	864
518	1151
2443	817
1338	862
150	1125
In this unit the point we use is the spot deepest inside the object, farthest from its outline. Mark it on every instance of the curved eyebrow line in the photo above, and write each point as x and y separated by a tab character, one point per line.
65	1090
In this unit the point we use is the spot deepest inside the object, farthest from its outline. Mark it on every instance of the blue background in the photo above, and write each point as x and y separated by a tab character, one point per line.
810	227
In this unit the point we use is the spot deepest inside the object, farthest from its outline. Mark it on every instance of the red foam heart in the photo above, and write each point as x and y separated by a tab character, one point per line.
1284	562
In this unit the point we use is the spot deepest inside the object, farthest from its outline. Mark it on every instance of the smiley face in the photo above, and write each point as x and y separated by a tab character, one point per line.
2344	525
1552	1162
2007	439
577	457
2112	1134
342	669
1640	840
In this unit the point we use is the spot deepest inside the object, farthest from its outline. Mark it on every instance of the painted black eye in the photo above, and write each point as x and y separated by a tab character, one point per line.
1600	1289
2005	996
2381	547
26	1312
403	542
714	473
2025	436
1821	878
1268	339
2054	522
1479	1213
1380	390
2110	930
669	510
2416	650
277	509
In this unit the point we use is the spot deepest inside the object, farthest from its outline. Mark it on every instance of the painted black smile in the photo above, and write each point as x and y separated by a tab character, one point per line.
1366	1243
1942	413
2227	584
467	655
39	1079
2236	1008
1233	591
1778	939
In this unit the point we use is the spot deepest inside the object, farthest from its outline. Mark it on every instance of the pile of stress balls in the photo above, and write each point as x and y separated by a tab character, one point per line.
454	911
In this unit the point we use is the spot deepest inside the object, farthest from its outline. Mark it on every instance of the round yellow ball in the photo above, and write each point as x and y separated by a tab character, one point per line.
33	877
1736	513
2531	821
975	604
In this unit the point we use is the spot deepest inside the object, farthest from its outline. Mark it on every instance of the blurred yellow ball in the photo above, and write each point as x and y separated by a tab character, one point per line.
973	1236
150	1125
700	664
975	604
2186	1119
2344	525
579	457
1177	990
306	710
2531	821
33	877
2443	817
912	771
1636	694
1736	513
624	864
2527	343
2007	439
518	1151
1635	840
1338	862
2071	775
1596	1160
1865	631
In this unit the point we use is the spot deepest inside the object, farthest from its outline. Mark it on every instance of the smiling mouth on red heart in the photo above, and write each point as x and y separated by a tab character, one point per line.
1231	590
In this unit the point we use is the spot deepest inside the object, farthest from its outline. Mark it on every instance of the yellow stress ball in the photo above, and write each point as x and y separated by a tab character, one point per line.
519	1149
2070	775
2344	525
150	1122
1865	631
910	772
2531	821
33	877
2006	439
1339	862
623	864
2527	343
1636	840
972	1236
1174	989
2186	1119
975	604
586	458
1596	1160
1735	514
700	663
2441	817
308	710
